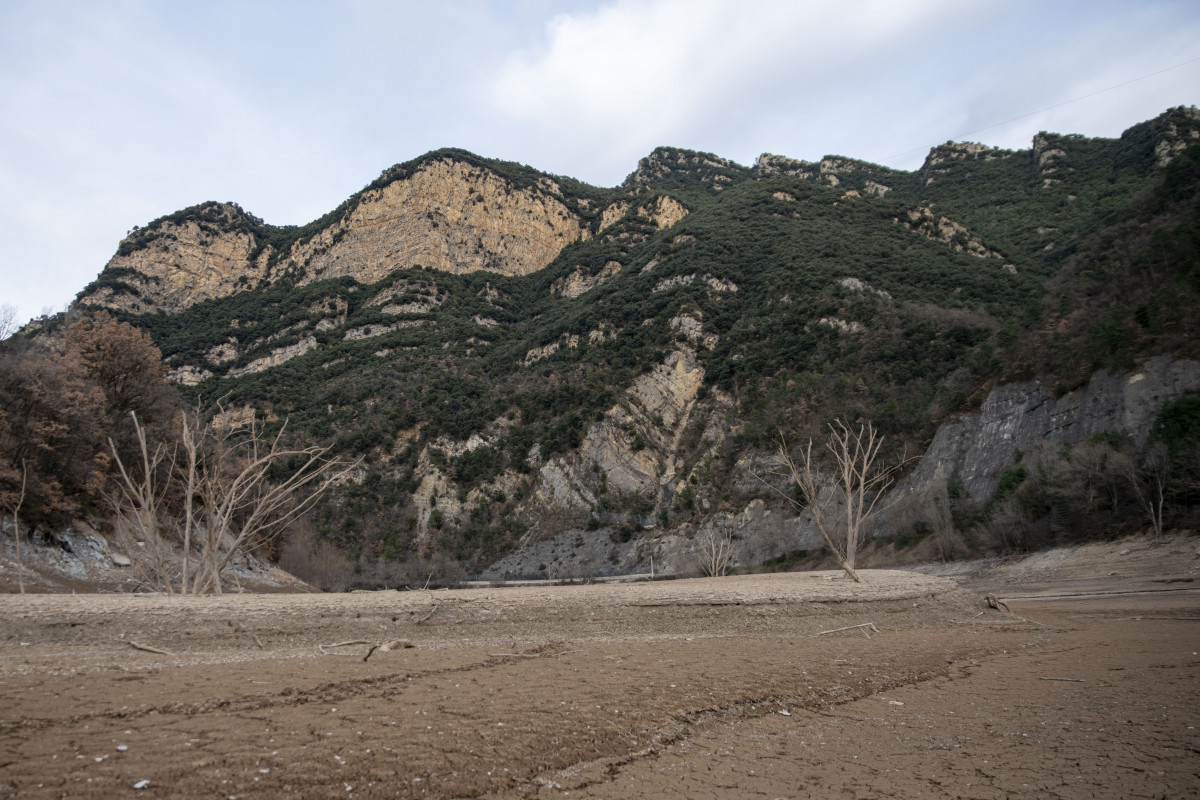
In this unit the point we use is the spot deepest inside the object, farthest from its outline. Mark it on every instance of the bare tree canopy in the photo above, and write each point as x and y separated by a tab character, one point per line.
239	488
841	503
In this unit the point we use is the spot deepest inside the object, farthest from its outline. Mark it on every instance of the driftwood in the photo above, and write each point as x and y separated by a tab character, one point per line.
322	647
383	647
430	614
1068	680
863	626
996	603
150	649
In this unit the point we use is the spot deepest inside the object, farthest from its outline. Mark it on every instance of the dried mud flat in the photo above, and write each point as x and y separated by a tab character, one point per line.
730	687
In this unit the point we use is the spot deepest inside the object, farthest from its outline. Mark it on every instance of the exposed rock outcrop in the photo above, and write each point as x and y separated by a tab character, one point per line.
580	282
1026	416
538	353
664	212
181	264
276	357
633	447
942	229
448	216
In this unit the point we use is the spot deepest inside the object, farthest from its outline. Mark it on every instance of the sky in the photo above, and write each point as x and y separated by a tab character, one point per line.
116	112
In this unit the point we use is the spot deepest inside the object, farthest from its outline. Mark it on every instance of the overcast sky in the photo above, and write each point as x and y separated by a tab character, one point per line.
113	113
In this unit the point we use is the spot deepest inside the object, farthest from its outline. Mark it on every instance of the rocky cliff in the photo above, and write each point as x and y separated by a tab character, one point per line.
976	448
449	216
1026	416
181	263
444	214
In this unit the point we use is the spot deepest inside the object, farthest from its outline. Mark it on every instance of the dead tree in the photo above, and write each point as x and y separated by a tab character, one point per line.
841	504
243	508
716	553
140	502
228	471
16	515
1149	482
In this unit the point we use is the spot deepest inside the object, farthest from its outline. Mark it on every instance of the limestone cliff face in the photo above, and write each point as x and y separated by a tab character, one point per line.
182	264
580	282
632	449
448	216
933	226
976	449
1181	129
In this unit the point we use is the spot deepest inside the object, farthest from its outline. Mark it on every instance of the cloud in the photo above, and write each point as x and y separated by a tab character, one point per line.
632	75
864	79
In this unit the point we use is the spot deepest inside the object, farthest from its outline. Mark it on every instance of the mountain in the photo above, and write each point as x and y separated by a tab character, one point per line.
518	354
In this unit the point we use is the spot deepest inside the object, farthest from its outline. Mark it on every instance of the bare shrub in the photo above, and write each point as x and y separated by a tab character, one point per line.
940	515
319	564
1149	482
1008	525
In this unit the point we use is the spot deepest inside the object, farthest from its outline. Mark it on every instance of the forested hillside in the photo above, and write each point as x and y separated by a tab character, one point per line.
515	354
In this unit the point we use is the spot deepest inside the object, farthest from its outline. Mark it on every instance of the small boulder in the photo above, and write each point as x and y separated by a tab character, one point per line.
120	560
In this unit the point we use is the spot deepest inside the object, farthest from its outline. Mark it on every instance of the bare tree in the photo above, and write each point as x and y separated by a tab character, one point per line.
1149	481
140	502
16	515
1008	525
229	470
841	504
242	507
8	320
936	504
716	552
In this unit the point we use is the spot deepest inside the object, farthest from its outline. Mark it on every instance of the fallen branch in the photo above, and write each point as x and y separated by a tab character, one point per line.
384	647
996	603
864	626
533	655
150	649
322	647
257	641
430	614
1068	680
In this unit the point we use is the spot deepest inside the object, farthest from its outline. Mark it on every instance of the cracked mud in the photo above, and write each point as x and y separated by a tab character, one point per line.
715	688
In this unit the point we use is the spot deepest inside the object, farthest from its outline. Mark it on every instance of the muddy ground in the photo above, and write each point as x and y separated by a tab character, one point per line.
737	687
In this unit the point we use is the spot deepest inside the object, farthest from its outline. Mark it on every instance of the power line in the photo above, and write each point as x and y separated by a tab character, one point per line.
962	136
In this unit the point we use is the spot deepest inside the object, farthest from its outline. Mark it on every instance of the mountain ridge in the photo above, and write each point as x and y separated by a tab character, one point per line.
518	354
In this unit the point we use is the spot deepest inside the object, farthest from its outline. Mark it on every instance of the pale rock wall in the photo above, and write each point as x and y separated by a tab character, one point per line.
612	215
579	282
656	409
538	353
188	375
933	226
276	357
664	212
183	265
379	329
449	216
